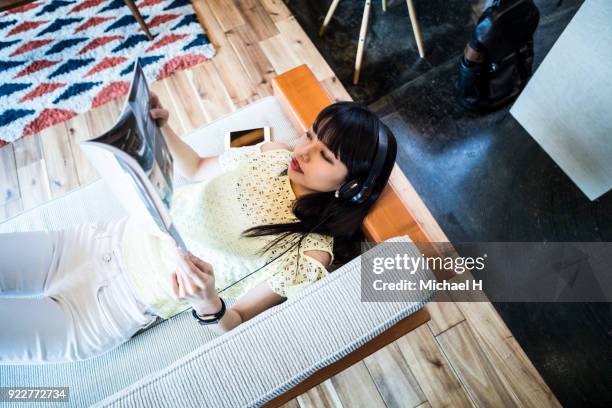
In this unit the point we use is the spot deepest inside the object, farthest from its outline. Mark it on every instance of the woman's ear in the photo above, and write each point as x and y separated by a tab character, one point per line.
337	190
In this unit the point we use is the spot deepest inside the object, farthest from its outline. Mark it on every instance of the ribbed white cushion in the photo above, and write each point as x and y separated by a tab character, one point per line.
278	349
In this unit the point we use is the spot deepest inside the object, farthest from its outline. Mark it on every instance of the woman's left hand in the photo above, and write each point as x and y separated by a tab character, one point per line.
194	280
158	112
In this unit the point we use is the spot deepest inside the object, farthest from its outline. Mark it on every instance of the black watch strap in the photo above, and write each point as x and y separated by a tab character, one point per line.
214	318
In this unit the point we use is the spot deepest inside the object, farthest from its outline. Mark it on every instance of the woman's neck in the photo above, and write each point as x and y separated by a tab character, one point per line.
299	190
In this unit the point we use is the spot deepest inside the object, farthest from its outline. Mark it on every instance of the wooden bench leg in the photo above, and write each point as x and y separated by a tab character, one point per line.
362	37
415	28
138	17
328	16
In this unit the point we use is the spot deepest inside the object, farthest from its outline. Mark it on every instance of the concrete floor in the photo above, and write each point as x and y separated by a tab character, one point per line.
483	177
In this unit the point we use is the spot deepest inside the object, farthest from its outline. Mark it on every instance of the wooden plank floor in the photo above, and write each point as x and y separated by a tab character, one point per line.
465	356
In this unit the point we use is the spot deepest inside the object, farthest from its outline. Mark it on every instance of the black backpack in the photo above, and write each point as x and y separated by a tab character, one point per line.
502	41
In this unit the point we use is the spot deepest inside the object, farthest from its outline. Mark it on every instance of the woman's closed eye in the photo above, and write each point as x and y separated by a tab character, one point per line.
310	136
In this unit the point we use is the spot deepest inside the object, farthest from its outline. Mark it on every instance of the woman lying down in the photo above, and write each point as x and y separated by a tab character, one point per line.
262	220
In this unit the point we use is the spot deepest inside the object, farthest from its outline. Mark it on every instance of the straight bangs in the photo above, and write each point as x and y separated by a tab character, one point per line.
351	133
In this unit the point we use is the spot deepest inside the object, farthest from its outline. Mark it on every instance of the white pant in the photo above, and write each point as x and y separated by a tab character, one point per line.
64	295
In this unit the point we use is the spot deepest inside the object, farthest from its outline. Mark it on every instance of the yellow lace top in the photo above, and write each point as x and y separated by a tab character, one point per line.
210	216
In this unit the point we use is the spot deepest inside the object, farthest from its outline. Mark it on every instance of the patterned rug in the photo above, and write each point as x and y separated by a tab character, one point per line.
61	58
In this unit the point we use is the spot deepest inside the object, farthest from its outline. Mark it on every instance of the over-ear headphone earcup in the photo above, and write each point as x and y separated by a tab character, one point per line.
349	189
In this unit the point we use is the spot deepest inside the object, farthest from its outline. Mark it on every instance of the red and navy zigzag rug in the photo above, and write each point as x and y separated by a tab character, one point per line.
60	58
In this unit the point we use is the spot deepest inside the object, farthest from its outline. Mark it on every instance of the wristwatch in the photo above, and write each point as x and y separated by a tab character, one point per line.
210	318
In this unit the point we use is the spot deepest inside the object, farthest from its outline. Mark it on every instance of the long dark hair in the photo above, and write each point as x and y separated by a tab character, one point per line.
350	131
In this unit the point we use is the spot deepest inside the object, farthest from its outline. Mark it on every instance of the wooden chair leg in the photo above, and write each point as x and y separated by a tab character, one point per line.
415	28
328	16
362	37
138	17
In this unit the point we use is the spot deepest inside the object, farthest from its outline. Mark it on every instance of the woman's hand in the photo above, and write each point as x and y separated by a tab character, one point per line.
188	162
194	280
158	112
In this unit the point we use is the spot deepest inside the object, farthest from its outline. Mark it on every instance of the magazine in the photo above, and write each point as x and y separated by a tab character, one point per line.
135	161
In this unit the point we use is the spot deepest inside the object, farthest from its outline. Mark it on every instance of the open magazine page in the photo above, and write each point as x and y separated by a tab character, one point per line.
139	101
156	208
133	188
137	134
127	137
134	158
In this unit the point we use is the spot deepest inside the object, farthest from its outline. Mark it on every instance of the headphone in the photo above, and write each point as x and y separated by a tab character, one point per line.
354	191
